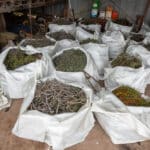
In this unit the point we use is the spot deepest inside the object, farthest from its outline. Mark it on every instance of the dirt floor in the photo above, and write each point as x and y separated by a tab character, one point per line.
96	140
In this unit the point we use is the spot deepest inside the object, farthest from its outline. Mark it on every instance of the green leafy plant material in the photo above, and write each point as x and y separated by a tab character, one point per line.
38	42
130	96
17	58
125	59
70	61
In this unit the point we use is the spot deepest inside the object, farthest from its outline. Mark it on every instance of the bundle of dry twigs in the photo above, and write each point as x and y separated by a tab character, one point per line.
53	97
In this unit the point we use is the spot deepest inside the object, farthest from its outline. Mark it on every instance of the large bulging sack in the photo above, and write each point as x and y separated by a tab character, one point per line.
16	83
79	76
123	124
115	41
60	130
82	34
141	52
99	54
135	78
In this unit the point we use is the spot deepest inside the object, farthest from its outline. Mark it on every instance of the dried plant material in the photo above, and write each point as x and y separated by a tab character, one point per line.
89	41
88	30
123	22
54	97
61	35
147	47
17	58
137	37
70	61
38	42
62	21
125	59
130	96
89	21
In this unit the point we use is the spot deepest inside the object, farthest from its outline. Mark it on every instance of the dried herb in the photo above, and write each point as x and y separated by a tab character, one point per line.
17	58
89	41
125	59
89	21
130	96
62	21
70	61
137	37
123	22
54	97
61	35
147	47
88	30
38	42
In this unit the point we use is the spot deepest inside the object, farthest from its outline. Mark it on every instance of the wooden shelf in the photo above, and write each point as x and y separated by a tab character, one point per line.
13	5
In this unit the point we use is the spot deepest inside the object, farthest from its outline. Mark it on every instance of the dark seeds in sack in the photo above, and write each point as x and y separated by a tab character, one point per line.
62	21
147	47
88	30
89	41
61	35
70	61
53	97
123	22
125	59
130	96
38	42
137	37
17	58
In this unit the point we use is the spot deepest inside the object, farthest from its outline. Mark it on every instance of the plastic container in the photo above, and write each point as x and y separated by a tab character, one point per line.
115	15
109	10
95	8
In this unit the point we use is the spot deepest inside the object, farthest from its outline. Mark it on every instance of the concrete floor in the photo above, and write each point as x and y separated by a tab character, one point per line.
96	140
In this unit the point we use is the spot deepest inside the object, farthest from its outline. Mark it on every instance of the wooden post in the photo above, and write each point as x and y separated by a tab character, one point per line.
2	23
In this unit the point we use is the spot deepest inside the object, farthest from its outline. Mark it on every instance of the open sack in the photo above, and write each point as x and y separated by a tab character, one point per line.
99	54
124	124
82	34
15	83
136	78
115	41
48	48
78	76
60	130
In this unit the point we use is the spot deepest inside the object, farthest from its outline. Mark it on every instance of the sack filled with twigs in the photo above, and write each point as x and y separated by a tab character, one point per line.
56	113
18	66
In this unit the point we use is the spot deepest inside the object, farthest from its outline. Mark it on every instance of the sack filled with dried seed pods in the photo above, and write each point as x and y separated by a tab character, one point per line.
123	114
41	45
18	66
82	34
73	63
56	113
99	54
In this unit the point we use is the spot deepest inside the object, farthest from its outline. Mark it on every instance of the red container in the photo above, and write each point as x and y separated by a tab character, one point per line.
115	15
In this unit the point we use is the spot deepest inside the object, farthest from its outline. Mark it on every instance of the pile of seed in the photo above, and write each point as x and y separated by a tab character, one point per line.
38	42
89	41
53	97
17	58
125	59
70	61
137	37
147	47
62	21
123	22
88	30
61	35
130	96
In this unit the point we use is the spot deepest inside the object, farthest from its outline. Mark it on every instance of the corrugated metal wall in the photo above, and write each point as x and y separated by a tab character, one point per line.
127	8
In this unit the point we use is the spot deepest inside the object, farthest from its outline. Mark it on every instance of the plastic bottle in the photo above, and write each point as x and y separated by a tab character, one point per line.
95	8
